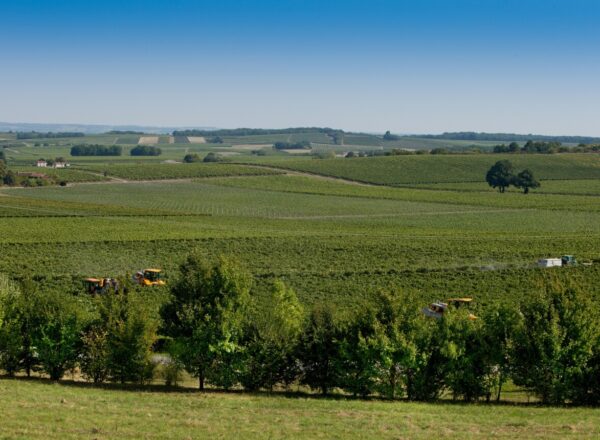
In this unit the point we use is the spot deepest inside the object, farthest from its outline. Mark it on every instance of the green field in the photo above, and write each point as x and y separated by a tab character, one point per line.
401	170
33	409
337	231
326	237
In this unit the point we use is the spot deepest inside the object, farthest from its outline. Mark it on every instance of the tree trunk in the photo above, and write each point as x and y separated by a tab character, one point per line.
324	389
201	382
499	389
393	382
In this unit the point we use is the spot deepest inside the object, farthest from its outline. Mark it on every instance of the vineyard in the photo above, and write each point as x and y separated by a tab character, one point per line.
332	240
402	170
178	170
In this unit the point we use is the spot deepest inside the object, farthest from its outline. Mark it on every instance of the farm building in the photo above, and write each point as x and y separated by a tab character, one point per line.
41	163
61	164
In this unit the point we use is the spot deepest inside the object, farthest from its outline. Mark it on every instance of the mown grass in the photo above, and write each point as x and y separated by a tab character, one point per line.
38	409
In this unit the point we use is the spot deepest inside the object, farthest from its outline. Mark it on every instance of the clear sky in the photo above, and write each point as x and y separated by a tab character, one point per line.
410	66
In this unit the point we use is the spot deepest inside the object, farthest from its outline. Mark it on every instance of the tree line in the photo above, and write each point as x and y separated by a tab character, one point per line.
213	327
96	150
145	150
301	145
48	135
124	132
253	131
508	137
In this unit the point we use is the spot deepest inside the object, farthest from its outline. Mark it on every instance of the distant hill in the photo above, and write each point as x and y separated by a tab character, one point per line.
90	128
508	137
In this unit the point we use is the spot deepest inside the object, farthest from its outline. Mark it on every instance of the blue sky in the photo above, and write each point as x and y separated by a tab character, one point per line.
411	66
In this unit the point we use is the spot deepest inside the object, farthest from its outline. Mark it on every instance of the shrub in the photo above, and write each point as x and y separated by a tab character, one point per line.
212	157
191	158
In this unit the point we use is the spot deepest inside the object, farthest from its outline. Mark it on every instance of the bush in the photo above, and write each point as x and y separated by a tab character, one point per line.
213	157
324	155
191	158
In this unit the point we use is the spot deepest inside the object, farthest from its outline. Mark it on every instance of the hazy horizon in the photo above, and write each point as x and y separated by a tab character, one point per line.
427	66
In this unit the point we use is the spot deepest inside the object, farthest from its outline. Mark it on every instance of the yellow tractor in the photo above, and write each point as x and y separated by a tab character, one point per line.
149	277
437	309
100	285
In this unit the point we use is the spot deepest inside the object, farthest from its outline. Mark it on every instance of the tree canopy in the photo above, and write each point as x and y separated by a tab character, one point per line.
500	175
525	181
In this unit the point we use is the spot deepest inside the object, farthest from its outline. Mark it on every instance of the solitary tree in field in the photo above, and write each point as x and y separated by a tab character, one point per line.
500	175
525	180
390	137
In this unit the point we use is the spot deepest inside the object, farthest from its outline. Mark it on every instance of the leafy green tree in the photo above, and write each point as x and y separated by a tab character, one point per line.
500	323
586	386
500	175
525	181
95	354
205	319
357	359
271	339
9	178
320	349
555	343
57	343
466	366
3	171
390	137
191	158
425	379
398	322
10	329
23	314
11	346
130	334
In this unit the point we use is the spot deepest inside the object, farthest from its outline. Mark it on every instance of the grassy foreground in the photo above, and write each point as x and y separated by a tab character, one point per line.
39	409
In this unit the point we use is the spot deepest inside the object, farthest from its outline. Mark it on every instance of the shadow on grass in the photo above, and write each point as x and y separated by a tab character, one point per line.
156	388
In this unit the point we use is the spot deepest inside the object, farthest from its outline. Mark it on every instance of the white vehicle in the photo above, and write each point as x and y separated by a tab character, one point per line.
550	262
